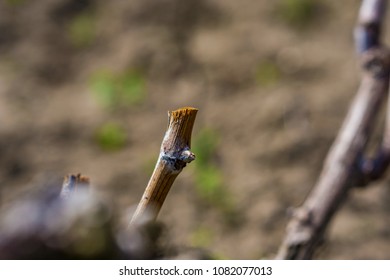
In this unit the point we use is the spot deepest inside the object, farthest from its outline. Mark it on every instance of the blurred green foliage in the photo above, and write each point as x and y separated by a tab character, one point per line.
205	145
268	73
297	13
82	30
88	243
209	178
202	237
15	2
111	137
114	91
209	182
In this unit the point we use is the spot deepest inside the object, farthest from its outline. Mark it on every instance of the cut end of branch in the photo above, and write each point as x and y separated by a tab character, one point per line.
184	110
183	120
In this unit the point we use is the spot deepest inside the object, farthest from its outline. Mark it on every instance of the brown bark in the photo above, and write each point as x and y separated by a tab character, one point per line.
174	155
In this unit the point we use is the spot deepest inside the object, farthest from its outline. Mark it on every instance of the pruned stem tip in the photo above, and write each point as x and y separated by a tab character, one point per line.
174	155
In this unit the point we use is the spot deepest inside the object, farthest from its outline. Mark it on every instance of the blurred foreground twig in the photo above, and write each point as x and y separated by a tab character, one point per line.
72	183
345	165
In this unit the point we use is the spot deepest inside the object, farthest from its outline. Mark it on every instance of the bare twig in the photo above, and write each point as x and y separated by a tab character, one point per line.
174	155
342	168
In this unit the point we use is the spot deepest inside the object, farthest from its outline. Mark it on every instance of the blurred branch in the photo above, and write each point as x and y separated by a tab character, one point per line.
367	36
174	155
369	27
344	166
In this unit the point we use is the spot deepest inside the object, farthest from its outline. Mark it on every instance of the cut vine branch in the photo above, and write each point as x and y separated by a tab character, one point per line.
175	154
345	165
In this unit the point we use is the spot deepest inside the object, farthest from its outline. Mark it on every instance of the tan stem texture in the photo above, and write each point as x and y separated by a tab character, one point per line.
174	155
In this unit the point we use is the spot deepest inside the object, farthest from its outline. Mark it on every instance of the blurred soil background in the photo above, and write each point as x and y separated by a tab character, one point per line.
85	86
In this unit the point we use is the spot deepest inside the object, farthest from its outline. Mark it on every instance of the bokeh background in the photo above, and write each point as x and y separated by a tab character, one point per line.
85	86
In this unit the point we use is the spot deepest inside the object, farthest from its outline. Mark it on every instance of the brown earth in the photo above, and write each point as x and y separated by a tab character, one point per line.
273	133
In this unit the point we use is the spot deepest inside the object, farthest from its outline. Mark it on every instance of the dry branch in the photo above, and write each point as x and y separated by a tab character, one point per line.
344	166
174	155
